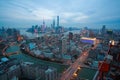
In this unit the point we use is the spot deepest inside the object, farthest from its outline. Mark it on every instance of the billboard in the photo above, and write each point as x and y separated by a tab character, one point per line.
88	40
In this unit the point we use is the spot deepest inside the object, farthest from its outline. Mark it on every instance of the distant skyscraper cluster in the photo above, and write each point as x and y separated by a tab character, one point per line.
38	29
10	33
55	27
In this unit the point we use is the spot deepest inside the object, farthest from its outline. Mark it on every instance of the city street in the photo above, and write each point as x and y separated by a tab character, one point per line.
70	72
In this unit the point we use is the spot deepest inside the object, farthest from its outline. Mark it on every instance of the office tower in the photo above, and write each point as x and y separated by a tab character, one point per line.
53	24
57	21
103	29
64	46
43	26
51	74
70	35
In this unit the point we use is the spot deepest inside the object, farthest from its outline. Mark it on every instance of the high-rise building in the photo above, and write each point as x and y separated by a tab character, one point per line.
70	35
64	45
57	21
53	24
43	27
103	29
51	74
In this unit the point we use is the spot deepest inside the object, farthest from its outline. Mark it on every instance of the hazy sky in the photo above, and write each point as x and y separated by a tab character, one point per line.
91	13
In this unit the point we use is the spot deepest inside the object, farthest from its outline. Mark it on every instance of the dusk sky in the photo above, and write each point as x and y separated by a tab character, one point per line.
73	13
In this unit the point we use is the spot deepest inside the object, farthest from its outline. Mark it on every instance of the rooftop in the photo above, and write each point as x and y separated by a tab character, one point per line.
27	58
86	73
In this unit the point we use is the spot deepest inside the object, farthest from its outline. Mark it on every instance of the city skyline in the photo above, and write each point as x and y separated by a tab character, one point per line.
77	13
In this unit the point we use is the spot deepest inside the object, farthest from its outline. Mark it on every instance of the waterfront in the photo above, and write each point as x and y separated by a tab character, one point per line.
27	58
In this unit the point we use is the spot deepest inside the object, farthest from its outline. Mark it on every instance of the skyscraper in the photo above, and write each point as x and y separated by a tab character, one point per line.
57	21
103	29
43	26
64	45
54	23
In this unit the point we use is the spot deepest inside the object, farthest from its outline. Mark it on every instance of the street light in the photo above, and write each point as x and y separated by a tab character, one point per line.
79	68
75	75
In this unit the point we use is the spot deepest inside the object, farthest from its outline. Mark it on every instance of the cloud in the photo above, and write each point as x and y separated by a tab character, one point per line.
74	17
70	12
63	21
26	11
41	13
80	19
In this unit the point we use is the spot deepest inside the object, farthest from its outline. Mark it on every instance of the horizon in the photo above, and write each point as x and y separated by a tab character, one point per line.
77	13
